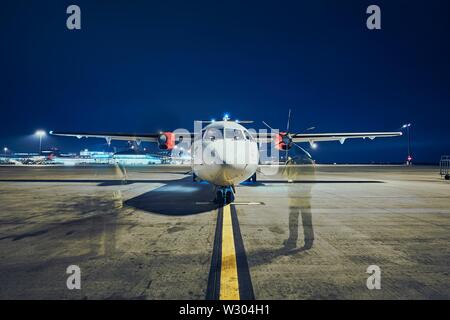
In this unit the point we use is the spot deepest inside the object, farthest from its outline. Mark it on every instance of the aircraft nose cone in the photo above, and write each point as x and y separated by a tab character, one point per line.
228	162
231	154
226	174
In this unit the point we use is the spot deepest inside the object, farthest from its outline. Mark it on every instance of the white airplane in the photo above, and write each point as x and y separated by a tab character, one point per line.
225	153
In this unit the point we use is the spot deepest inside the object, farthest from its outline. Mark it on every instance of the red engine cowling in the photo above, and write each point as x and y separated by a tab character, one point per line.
166	140
283	141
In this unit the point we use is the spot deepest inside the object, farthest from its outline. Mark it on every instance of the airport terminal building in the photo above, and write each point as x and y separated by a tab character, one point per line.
84	157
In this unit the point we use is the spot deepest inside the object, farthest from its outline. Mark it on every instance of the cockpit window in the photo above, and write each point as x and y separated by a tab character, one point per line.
247	135
213	134
235	134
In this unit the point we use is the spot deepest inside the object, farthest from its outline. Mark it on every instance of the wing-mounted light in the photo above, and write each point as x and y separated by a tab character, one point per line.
166	140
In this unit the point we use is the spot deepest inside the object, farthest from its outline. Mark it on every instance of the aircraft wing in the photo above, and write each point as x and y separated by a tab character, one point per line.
150	137
313	137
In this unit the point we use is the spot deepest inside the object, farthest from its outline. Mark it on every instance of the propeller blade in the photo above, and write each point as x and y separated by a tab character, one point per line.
268	126
288	121
307	153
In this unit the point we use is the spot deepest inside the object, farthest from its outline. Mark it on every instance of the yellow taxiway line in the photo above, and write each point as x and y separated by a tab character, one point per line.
229	286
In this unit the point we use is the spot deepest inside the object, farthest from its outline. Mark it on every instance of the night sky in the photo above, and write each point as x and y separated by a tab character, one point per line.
143	66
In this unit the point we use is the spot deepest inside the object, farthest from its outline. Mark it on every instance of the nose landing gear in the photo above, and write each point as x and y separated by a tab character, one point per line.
224	195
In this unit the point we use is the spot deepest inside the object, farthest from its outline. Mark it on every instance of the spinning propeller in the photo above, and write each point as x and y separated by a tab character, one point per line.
283	141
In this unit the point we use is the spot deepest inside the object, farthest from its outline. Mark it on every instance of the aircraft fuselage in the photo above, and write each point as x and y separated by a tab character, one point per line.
225	155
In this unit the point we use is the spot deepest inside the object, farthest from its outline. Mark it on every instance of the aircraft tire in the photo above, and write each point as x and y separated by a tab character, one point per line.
219	197
229	197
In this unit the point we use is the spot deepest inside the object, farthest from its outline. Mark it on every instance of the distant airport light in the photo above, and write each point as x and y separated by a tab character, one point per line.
213	120
40	134
314	145
226	117
407	126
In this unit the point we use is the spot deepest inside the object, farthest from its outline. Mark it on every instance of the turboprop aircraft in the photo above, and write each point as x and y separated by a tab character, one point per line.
225	153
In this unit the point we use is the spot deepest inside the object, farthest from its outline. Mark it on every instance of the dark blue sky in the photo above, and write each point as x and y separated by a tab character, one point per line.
142	66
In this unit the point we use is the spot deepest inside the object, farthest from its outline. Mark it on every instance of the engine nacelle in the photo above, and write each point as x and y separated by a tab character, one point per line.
283	141
166	140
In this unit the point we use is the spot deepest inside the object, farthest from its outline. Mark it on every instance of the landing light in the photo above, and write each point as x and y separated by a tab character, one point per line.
314	145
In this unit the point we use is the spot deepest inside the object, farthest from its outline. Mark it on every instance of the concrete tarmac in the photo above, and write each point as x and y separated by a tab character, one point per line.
150	233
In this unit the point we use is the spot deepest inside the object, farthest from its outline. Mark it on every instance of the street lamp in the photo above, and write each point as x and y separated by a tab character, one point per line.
407	126
5	149
40	134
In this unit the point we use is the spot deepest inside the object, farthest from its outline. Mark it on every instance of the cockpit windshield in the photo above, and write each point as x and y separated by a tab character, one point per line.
229	133
235	134
213	134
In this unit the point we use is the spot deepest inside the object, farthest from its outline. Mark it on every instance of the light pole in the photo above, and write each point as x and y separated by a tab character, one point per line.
40	134
407	126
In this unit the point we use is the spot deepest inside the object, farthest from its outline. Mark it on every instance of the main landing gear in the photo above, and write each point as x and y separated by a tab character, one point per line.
224	195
